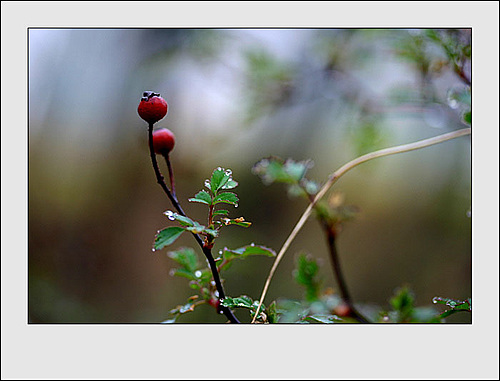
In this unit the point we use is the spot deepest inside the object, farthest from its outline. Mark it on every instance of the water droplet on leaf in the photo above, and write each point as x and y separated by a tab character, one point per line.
170	215
197	273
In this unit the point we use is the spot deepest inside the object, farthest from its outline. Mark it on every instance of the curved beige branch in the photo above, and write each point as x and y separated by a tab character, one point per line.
336	175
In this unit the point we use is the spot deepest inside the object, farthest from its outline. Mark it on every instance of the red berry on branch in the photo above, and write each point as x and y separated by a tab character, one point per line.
163	141
152	107
215	303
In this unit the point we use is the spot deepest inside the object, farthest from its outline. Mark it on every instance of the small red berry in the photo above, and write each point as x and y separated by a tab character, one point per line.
163	141
152	107
215	303
342	310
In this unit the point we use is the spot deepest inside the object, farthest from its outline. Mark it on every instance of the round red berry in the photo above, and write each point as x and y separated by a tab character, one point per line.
342	310
152	107
163	141
215	303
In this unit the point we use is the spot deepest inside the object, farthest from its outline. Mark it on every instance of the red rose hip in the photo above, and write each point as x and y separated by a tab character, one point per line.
163	141
152	107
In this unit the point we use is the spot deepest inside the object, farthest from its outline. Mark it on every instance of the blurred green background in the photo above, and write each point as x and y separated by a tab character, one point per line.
235	96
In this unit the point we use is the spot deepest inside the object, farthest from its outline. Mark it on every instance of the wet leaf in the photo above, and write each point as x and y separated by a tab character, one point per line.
221	212
220	177
239	302
245	251
183	220
186	257
226	197
230	184
202	197
167	236
454	305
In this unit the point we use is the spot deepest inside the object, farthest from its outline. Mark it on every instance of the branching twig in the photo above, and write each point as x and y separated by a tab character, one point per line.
341	171
206	251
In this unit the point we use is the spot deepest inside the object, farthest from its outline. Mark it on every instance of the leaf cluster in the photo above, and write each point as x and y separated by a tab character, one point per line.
292	173
220	181
405	311
265	315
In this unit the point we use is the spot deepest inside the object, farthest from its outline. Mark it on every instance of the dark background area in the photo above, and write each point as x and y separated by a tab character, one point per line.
234	97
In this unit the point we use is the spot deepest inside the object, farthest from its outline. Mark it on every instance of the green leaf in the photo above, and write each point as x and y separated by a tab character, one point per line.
240	302
244	301
323	319
226	197
167	236
311	187
183	220
183	273
403	304
202	197
221	212
186	257
272	313
205	276
297	169
245	251
196	228
213	232
230	184
467	117
454	305
274	169
306	275
220	177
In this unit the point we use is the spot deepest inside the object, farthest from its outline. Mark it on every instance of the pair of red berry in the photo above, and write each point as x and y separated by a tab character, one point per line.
153	108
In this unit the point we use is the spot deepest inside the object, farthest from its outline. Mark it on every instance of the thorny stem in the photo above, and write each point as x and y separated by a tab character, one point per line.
206	250
341	171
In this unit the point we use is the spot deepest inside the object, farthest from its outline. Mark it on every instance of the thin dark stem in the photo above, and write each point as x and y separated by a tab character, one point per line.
170	175
207	251
337	271
340	277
